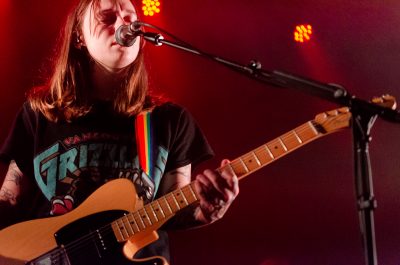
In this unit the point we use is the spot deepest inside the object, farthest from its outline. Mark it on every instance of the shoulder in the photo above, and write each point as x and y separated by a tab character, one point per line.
29	113
173	115
24	119
169	107
25	113
29	118
170	110
27	109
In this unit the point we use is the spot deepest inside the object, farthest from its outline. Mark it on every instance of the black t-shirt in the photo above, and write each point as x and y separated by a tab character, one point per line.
66	162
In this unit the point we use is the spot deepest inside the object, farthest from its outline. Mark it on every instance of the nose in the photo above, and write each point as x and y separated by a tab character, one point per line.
123	20
119	22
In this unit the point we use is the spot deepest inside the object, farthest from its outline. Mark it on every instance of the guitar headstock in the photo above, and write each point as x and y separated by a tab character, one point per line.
334	120
338	119
387	101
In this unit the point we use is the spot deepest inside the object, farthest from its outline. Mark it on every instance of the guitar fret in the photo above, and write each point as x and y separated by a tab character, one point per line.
269	152
145	217
256	157
132	221
308	132
262	156
167	204
150	212
127	224
238	168
313	127
189	194
290	141
297	136
276	148
139	221
117	232
283	145
181	198
158	210
244	165
174	209
122	228
231	167
191	189
251	161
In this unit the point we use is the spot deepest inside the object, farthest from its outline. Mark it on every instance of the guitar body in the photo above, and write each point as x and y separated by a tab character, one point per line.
82	236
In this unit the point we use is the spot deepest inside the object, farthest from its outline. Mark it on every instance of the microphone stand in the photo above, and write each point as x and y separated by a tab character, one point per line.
364	115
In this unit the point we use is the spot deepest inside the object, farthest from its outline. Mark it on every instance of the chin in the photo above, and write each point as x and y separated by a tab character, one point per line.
117	66
119	63
123	64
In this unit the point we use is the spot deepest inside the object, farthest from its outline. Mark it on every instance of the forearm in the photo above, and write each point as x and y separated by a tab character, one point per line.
10	196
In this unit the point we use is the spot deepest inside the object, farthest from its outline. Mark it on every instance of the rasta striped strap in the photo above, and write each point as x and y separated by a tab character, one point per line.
144	141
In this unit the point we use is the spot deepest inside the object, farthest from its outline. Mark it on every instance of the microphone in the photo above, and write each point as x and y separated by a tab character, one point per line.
126	34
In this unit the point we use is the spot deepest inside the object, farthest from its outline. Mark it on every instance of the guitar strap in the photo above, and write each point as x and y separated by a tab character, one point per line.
145	141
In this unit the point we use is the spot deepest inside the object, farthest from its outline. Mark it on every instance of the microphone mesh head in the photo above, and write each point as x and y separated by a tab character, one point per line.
124	36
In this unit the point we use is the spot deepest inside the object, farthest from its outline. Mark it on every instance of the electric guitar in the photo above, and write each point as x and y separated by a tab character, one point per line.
112	224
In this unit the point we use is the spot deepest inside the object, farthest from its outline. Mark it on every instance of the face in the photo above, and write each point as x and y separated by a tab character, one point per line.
98	29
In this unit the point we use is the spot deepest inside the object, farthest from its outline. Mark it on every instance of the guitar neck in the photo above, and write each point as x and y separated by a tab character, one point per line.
275	149
154	214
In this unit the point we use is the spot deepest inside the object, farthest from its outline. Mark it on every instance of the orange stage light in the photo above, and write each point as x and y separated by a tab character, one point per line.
302	33
151	7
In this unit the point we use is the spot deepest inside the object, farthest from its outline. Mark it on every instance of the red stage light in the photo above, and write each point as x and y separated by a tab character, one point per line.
303	33
151	7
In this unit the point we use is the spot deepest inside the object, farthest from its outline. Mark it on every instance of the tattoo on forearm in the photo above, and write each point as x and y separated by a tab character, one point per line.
175	178
14	174
14	178
7	195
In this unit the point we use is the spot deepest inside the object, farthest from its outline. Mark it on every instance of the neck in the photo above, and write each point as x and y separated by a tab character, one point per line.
105	82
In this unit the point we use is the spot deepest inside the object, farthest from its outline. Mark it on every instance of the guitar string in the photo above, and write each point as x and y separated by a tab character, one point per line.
75	245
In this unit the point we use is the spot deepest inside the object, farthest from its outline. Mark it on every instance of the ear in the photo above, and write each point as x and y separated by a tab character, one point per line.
78	40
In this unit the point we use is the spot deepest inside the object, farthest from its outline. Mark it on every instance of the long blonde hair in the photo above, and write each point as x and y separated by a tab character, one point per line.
64	97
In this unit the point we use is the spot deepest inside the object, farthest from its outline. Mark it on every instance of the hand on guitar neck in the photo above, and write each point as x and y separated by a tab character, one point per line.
216	190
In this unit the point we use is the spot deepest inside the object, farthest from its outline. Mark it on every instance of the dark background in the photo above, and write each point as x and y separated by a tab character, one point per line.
301	209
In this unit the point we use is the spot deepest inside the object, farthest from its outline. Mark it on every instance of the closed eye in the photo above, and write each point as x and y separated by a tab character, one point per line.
129	18
108	19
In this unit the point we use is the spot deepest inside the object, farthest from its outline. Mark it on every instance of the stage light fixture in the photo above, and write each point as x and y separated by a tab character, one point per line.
151	7
302	33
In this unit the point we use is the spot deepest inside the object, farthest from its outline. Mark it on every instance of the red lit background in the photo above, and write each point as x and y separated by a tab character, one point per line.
301	209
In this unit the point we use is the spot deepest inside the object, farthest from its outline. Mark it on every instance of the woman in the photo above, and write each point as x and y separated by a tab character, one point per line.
78	132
